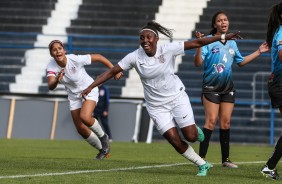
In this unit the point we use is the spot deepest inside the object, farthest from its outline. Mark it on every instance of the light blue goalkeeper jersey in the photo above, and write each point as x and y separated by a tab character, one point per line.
218	58
276	63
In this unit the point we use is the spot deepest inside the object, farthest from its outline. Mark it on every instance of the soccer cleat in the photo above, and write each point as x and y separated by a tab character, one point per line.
105	143
201	135
102	154
203	169
206	160
105	151
229	164
272	174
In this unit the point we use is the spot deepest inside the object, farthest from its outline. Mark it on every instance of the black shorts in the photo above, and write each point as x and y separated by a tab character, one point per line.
217	98
275	94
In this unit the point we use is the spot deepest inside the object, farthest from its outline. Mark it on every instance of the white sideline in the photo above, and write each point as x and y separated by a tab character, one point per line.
113	170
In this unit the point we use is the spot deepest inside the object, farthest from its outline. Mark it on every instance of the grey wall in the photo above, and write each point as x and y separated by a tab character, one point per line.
4	116
33	118
122	116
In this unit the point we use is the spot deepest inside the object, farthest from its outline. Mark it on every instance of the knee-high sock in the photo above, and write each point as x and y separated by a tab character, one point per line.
94	141
191	155
274	159
204	146
224	136
97	129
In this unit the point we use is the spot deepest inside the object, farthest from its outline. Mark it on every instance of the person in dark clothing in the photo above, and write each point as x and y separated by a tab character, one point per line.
101	111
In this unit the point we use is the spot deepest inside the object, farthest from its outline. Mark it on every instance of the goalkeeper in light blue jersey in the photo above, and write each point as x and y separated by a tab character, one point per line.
218	92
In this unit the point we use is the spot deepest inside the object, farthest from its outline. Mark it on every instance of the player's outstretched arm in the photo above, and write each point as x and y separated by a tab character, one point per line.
207	40
102	78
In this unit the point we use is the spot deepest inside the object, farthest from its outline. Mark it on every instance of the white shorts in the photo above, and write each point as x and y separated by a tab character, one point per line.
76	101
175	113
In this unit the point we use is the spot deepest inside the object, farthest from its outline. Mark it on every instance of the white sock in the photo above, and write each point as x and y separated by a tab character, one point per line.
94	141
191	155
97	129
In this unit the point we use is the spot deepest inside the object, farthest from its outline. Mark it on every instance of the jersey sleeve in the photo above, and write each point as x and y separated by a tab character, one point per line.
128	62
238	58
81	59
205	51
50	70
176	48
279	40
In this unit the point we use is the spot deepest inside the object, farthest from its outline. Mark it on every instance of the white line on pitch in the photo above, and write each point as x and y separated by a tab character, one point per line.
110	170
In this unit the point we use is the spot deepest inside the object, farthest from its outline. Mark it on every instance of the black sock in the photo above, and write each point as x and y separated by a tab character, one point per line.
205	144
224	137
274	159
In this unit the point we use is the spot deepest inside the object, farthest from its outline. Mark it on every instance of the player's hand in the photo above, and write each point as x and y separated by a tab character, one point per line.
105	113
85	92
233	36
263	48
118	76
60	75
199	35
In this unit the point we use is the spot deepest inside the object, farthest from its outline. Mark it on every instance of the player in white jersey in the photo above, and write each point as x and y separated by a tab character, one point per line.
68	69
218	92
166	100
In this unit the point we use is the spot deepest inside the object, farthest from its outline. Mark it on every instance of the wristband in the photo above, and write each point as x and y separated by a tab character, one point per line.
222	37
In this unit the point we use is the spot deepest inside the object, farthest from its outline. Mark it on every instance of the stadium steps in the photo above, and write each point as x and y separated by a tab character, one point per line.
111	19
24	17
246	16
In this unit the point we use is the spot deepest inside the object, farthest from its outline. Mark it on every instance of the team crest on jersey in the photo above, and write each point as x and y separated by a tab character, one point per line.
72	70
215	50
161	58
231	51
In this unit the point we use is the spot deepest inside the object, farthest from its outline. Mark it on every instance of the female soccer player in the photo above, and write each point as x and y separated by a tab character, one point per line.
218	93
166	101
68	69
274	40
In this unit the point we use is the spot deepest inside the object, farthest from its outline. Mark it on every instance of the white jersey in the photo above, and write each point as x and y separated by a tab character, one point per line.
76	78
160	83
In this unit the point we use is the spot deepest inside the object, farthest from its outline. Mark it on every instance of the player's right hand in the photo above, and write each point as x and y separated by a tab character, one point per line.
118	76
60	75
85	92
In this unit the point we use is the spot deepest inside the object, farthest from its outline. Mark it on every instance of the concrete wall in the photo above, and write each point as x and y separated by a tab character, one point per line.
50	118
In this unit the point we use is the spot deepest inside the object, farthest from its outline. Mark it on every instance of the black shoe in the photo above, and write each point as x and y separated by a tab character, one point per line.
270	173
229	164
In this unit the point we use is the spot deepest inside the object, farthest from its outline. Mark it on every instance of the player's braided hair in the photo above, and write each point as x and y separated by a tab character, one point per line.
274	22
158	28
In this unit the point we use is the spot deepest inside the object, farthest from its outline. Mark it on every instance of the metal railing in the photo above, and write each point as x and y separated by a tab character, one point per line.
261	104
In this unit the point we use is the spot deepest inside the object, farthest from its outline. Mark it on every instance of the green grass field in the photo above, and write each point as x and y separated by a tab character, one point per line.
61	161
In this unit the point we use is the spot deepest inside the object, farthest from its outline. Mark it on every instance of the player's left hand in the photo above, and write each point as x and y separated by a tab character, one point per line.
263	48
233	36
199	35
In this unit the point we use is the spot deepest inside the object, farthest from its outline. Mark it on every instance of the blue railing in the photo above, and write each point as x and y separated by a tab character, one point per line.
71	46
